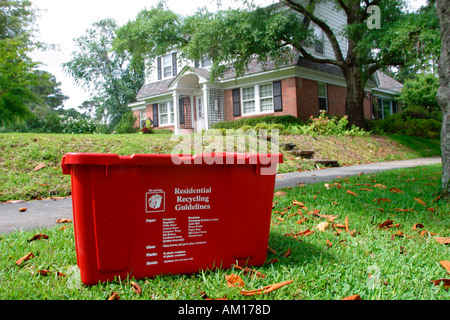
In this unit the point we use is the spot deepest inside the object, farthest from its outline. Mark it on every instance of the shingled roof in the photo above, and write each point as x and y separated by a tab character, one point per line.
382	81
386	83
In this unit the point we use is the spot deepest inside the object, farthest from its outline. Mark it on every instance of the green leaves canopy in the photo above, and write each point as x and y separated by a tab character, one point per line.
111	77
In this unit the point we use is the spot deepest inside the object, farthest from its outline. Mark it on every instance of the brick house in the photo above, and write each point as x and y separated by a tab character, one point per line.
179	95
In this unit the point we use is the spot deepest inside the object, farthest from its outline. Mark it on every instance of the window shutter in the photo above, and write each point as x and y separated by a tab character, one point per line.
155	115
277	98
181	106
236	102
159	69
174	64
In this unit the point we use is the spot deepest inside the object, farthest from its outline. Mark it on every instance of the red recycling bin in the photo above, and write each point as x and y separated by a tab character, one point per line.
149	215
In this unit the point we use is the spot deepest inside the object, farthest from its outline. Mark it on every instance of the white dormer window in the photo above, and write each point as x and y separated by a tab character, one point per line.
167	66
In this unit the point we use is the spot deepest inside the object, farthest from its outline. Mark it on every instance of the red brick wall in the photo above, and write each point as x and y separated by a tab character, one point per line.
336	100
308	103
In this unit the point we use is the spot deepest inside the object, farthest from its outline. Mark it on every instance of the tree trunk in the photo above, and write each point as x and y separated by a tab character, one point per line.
443	95
354	103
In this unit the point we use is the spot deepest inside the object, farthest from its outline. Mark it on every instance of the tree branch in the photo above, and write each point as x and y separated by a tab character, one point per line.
343	5
326	29
311	58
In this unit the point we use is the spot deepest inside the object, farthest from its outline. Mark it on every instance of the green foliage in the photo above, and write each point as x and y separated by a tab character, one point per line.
326	125
321	125
253	121
421	92
413	121
126	124
46	120
108	74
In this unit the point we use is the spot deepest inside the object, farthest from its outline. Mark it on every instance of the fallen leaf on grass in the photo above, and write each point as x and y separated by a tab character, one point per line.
353	297
379	200
136	287
329	244
234	281
418	226
279	194
298	203
306	232
39	167
395	190
38	237
43	272
26	257
397	234
266	289
446	282
419	201
114	296
23	209
352	193
446	265
326	216
386	224
379	185
322	226
288	253
366	189
403	210
443	240
302	220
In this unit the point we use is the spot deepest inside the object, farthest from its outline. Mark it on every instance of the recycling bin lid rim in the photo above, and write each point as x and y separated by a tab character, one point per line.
161	159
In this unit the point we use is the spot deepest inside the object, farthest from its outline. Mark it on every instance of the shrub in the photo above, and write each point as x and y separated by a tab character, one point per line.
412	121
326	125
252	122
126	124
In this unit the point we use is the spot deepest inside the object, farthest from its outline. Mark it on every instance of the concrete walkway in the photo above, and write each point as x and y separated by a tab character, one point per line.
44	213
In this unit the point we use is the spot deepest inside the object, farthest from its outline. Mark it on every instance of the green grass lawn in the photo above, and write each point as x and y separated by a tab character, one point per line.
396	263
21	153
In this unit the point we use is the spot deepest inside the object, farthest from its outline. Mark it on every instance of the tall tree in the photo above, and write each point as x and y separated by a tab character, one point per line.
17	70
443	95
107	74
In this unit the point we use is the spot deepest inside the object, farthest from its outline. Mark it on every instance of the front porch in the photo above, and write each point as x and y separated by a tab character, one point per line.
198	104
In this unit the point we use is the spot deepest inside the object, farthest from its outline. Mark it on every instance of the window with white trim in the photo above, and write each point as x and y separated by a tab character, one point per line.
142	117
266	97
166	113
323	97
257	99
167	66
248	100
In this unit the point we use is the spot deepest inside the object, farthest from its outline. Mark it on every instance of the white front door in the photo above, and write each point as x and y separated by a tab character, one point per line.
200	114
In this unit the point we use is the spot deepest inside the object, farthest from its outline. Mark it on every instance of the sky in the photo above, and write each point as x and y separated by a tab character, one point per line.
59	22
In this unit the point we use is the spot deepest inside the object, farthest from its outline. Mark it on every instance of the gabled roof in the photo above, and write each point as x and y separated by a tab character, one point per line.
380	81
154	88
386	83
